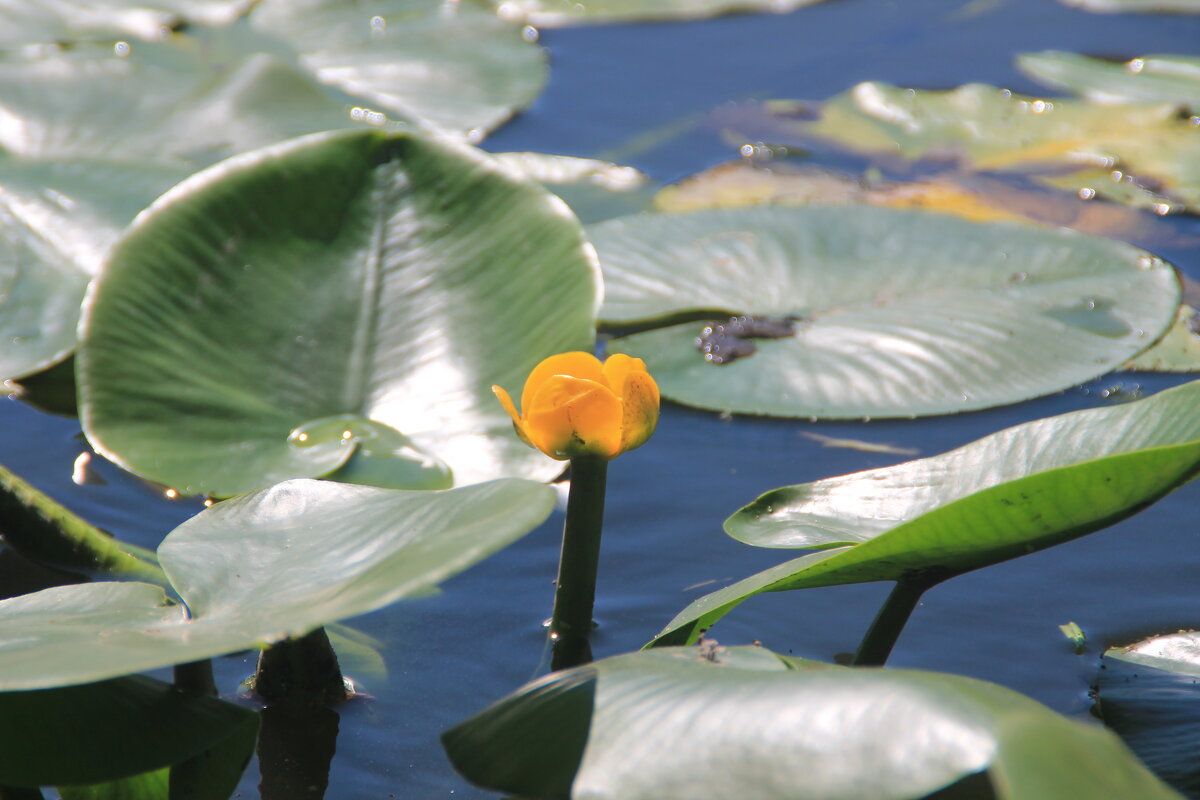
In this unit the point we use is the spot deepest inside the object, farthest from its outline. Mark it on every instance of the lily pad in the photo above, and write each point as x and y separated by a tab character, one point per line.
562	13
595	190
258	568
275	298
1177	351
1149	694
110	730
981	198
136	98
745	724
1068	143
1023	489
895	313
1137	6
1146	79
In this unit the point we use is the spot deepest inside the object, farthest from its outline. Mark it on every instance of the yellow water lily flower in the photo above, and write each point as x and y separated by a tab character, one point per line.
573	405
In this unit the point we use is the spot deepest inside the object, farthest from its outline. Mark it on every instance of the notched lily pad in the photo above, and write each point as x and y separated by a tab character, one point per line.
742	723
378	282
903	313
261	567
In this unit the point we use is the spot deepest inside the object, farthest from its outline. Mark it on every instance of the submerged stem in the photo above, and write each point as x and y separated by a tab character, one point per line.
302	672
196	676
877	644
575	596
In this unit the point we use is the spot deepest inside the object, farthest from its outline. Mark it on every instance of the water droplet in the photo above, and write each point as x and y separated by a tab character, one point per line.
475	135
1040	106
530	33
1116	175
1162	209
302	437
171	494
1135	65
122	49
1018	277
1146	261
346	435
209	502
378	24
1087	193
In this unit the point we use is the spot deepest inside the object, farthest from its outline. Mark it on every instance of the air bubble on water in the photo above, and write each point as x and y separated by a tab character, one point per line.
122	49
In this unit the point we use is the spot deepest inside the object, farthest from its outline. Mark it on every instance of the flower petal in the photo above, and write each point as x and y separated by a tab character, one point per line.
507	402
576	363
571	417
618	366
639	401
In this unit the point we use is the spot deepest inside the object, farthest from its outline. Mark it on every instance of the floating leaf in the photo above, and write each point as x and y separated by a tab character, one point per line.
896	313
1023	489
275	298
455	65
595	190
1147	79
746	724
1136	6
110	730
1177	351
92	131
561	13
1148	694
1140	153
980	198
261	567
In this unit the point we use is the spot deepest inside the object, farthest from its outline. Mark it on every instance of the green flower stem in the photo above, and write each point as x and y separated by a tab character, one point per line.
44	531
879	640
575	596
300	672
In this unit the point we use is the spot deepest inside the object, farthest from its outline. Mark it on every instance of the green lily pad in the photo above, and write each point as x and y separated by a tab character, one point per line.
1146	79
350	275
110	730
261	567
1144	154
745	724
1136	6
123	109
563	13
895	313
1023	489
595	190
1177	351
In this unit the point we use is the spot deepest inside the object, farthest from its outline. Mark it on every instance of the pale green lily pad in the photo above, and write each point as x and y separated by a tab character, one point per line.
1137	6
344	275
897	313
1146	79
1060	142
1023	489
1177	351
259	568
126	108
745	724
1149	693
595	190
563	13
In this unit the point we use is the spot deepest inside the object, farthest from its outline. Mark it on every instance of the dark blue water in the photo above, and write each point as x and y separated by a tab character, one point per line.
646	94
